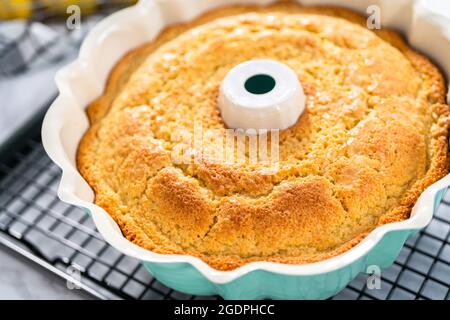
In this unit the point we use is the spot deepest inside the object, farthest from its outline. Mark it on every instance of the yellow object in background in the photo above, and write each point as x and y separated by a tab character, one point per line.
16	9
24	9
60	6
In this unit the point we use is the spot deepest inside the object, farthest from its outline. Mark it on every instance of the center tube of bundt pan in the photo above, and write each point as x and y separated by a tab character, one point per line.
261	95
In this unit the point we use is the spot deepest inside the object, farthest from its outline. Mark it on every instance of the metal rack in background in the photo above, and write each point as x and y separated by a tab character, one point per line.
63	238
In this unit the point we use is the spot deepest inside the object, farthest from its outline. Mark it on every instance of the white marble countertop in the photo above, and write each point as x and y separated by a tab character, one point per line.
23	279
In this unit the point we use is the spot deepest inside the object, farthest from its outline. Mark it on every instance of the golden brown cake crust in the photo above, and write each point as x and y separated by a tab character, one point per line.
373	137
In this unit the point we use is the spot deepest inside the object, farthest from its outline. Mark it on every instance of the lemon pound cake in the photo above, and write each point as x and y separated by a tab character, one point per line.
372	137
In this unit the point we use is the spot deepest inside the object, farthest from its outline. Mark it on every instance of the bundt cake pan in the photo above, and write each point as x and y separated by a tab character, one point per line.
83	80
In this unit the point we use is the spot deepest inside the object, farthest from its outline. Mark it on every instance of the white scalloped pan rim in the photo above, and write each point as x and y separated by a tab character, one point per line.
65	123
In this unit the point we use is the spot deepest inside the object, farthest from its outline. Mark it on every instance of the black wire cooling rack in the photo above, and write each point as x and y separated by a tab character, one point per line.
63	238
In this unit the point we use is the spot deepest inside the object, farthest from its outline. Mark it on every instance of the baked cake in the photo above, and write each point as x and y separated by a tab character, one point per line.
373	136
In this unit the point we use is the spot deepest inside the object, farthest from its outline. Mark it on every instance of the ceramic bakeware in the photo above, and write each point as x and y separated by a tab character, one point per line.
84	80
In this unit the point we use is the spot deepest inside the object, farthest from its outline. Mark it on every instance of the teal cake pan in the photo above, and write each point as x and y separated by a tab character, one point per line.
83	80
260	284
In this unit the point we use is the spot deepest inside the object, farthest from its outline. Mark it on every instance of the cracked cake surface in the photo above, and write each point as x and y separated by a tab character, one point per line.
373	136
